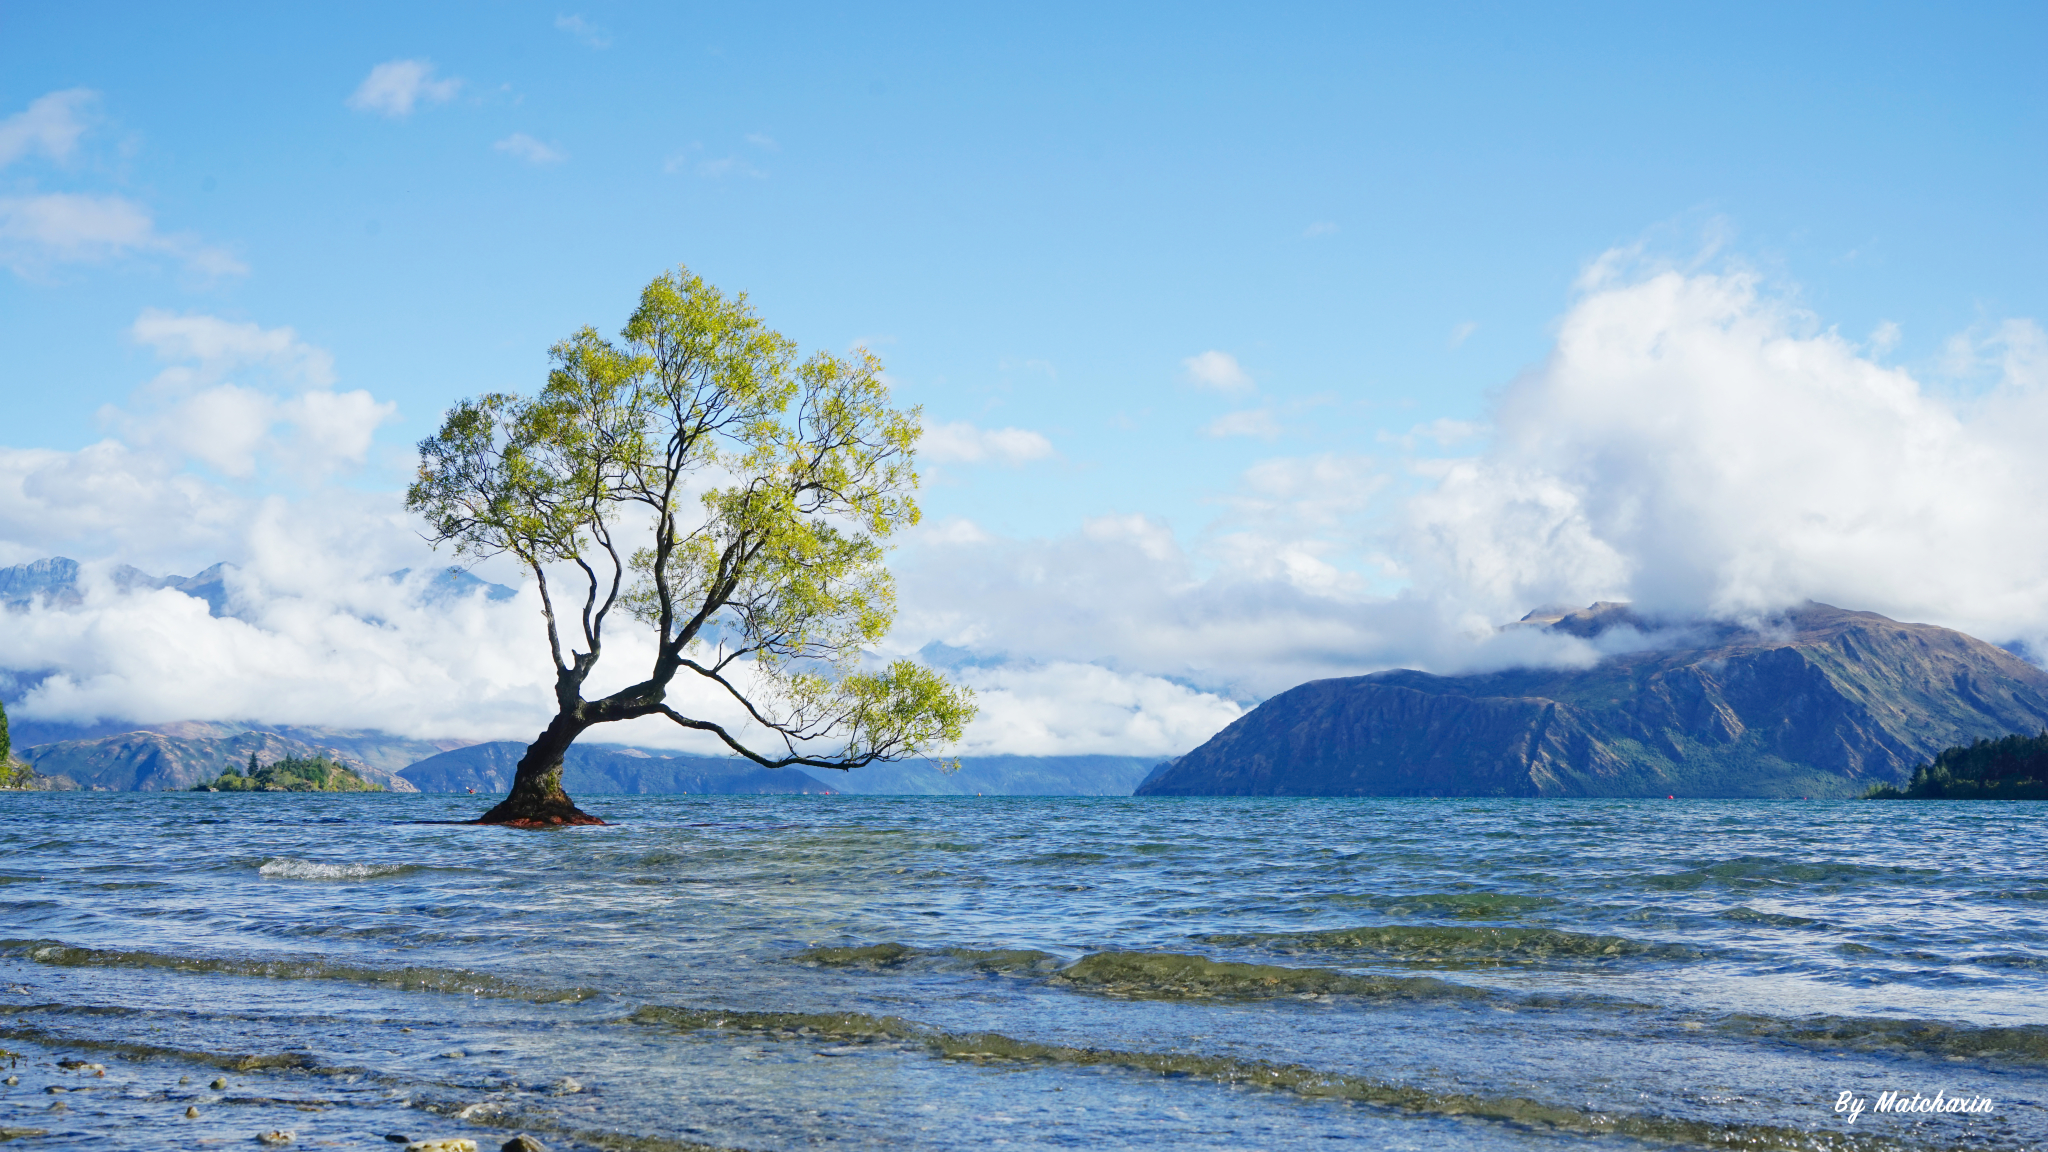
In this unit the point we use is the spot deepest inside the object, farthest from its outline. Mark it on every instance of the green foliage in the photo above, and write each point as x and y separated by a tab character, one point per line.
291	774
760	491
13	773
2014	768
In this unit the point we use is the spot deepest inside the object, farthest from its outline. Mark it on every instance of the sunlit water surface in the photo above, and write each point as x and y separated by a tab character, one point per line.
793	972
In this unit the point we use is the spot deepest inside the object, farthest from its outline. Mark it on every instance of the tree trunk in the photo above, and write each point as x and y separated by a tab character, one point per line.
537	799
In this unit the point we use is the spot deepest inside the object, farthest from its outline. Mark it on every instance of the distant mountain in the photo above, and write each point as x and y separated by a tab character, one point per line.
455	583
1824	703
155	762
380	750
594	769
996	776
54	581
163	757
53	578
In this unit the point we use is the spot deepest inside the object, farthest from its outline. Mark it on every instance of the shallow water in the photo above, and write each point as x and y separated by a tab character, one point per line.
948	972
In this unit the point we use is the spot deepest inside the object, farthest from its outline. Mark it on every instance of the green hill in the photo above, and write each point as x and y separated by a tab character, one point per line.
2015	768
291	774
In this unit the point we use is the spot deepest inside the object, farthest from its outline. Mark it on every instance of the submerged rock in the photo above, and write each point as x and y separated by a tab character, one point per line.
277	1138
444	1144
522	1143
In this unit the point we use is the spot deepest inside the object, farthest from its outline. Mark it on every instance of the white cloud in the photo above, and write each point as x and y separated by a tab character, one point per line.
590	34
214	346
1217	370
51	125
962	443
1067	709
1123	594
1445	431
1254	422
394	87
320	635
763	142
526	148
109	499
727	166
1319	228
1463	332
70	228
191	409
1691	445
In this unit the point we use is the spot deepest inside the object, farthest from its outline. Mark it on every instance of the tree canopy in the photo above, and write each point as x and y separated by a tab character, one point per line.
291	774
2011	768
698	477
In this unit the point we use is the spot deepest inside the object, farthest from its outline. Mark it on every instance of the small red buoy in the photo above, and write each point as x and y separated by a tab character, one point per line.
1671	797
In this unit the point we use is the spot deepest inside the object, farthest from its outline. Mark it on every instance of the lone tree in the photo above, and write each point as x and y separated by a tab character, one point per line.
738	501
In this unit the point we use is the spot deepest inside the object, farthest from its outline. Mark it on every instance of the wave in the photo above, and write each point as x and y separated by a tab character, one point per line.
1760	871
1433	942
408	979
877	957
287	868
1927	1039
132	1050
1231	1071
1743	914
1178	976
1455	905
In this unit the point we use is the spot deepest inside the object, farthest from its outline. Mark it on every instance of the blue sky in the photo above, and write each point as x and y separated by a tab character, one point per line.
1176	250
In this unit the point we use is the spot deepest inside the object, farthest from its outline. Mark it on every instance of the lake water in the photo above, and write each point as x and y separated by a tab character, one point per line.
941	973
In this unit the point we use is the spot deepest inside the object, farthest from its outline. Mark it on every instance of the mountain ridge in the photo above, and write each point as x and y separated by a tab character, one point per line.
145	761
1826	702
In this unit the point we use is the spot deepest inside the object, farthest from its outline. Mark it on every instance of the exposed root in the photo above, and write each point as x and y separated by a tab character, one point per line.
556	811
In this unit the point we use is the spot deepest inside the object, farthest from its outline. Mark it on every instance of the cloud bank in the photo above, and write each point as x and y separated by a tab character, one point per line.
1693	442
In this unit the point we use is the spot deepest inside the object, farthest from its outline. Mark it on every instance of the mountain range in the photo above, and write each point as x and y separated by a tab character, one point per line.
591	769
173	757
54	581
1821	702
145	761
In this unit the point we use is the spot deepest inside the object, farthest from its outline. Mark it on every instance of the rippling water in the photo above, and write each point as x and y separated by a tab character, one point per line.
787	971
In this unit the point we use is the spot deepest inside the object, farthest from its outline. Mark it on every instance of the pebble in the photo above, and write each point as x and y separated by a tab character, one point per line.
192	1113
523	1143
220	1084
83	1068
54	1089
568	1086
278	1137
395	1138
454	1054
13	1080
184	1079
57	1107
